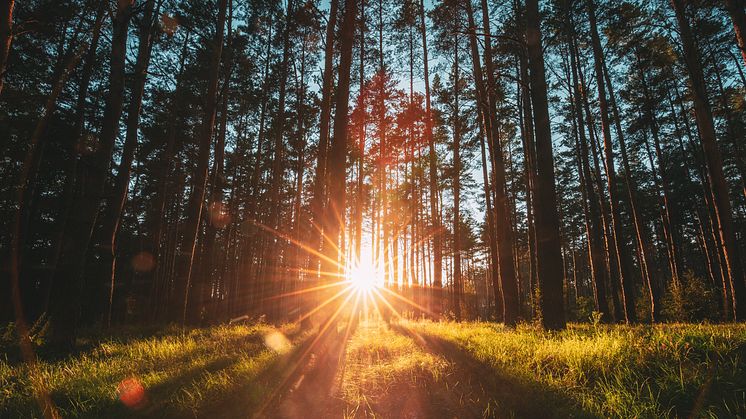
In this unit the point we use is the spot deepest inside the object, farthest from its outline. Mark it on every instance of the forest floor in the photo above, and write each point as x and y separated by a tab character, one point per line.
406	369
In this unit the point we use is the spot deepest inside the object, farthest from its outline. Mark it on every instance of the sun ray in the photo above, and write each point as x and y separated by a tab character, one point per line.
407	300
324	304
307	290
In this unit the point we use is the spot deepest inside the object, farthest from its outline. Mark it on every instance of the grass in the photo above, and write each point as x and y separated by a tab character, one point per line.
383	372
615	371
411	369
172	374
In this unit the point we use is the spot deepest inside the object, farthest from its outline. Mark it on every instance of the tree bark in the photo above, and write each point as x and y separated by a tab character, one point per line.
118	197
622	255
737	14
599	275
195	203
549	255
68	283
641	233
338	146
716	177
6	36
320	185
457	279
508	278
433	164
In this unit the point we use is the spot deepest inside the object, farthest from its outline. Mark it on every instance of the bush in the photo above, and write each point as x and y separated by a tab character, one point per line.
584	307
691	300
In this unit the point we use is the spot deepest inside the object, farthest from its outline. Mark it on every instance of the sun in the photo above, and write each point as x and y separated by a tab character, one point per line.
363	277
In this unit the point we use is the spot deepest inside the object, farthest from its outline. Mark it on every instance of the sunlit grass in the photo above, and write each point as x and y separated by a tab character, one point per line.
181	373
383	370
409	369
618	371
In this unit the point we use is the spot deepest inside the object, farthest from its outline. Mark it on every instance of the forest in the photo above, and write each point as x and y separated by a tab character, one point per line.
201	200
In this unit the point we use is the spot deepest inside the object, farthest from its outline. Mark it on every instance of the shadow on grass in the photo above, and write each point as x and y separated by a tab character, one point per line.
476	389
307	384
217	386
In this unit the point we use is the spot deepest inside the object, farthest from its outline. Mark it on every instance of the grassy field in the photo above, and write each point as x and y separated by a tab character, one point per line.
408	369
228	369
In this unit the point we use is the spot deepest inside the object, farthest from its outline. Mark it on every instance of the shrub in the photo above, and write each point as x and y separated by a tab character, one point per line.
691	300
584	307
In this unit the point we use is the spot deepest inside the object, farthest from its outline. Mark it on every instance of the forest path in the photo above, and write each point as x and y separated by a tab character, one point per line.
311	387
394	371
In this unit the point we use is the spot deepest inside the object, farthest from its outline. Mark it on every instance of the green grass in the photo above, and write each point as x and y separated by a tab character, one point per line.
614	371
383	371
411	369
182	373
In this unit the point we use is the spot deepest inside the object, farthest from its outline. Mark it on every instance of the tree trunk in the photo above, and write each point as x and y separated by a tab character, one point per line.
338	145
164	180
737	14
361	145
320	185
641	233
529	152
594	234
489	122
68	282
716	177
622	255
433	164
6	36
457	279
549	255
118	197
196	200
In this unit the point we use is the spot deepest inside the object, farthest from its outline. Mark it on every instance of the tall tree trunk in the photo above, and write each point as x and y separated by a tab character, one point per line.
273	254
118	197
385	222
361	145
594	222
320	184
218	212
433	163
196	200
549	256
163	182
722	206
647	260
298	213
6	36
338	145
68	193
457	279
622	255
529	153
68	282
505	241
490	125
736	9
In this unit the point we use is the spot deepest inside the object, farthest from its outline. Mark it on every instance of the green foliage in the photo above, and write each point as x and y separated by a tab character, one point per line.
691	300
583	310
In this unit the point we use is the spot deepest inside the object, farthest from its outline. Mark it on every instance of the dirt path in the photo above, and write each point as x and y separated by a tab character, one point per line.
310	388
390	371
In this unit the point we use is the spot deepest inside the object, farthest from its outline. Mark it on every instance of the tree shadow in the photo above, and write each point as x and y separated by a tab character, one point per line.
473	388
309	378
